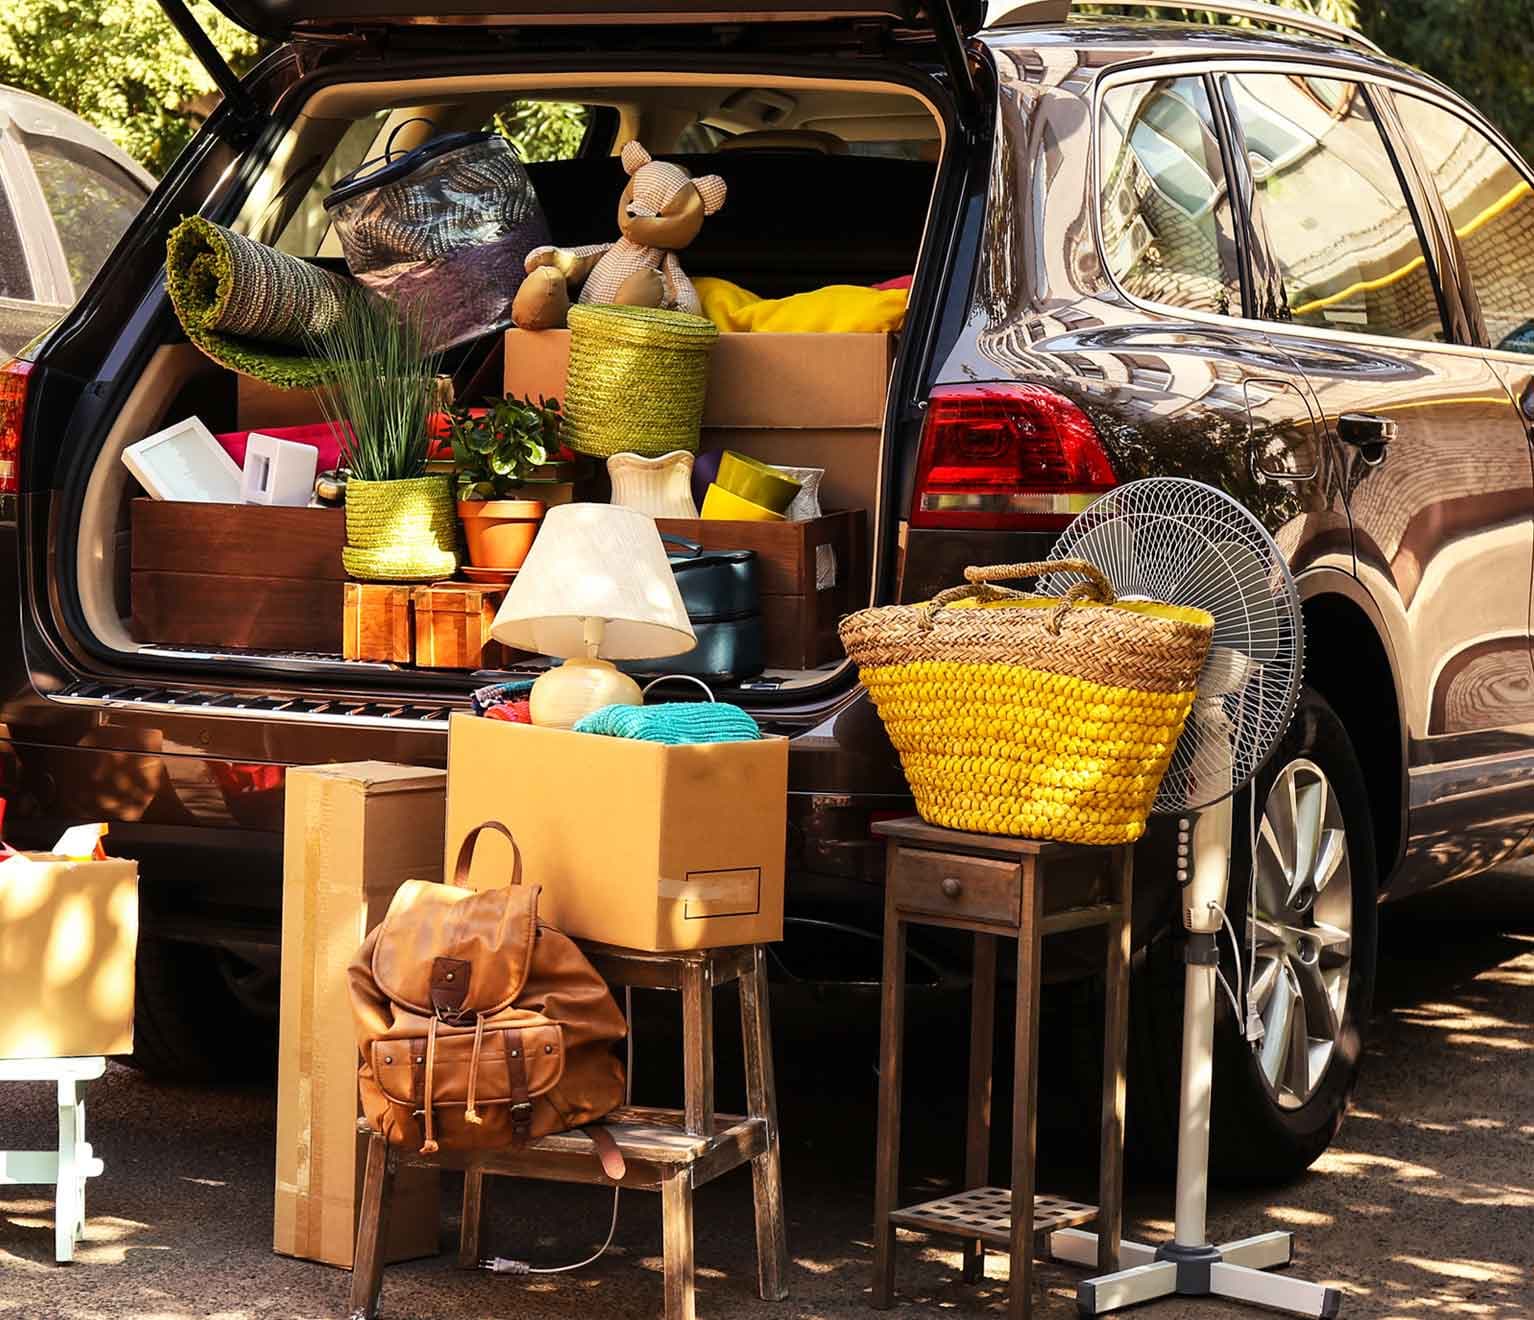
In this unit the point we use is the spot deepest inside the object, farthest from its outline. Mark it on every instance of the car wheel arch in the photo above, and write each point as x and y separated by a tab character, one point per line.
1350	661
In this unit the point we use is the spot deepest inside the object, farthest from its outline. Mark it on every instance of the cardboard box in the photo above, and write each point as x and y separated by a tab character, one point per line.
68	936
248	575
799	400
635	843
259	405
353	834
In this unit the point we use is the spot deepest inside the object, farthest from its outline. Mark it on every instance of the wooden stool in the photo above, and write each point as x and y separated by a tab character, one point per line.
667	1150
74	1161
1013	887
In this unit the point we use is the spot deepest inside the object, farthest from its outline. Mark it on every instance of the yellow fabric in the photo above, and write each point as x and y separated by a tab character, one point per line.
835	309
1005	749
1154	609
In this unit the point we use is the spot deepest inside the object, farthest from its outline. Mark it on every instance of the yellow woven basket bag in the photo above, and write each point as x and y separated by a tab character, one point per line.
1047	717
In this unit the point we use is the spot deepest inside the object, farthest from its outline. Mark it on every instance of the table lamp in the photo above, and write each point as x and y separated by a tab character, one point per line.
596	587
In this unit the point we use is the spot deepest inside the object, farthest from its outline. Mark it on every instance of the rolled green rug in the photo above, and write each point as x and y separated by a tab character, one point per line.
244	303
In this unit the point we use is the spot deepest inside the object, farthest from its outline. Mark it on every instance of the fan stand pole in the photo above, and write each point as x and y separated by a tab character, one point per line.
1189	1266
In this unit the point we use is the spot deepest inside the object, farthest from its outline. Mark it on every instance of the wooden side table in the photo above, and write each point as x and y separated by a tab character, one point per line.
670	1151
74	1162
1022	888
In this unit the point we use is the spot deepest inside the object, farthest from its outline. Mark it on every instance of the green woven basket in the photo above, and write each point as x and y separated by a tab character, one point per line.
401	531
638	376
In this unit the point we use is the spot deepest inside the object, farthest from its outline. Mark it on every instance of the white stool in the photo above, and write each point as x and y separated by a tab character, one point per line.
74	1162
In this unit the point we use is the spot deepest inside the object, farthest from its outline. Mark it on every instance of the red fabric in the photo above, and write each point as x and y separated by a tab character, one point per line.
511	712
322	435
899	282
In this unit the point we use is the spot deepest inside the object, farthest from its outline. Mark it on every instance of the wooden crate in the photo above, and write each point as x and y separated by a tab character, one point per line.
798	620
379	623
452	626
241	575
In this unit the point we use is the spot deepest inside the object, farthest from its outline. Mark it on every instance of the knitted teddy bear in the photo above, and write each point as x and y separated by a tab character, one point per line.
661	212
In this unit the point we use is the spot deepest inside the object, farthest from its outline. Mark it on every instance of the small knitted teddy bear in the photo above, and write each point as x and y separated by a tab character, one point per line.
661	212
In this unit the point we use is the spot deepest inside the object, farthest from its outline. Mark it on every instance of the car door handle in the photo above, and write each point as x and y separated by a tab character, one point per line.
1368	433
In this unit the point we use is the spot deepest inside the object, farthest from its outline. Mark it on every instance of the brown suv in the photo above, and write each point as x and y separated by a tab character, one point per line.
1281	263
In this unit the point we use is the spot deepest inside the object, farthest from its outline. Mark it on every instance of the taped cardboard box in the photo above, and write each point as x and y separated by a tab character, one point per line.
636	844
68	935
798	400
353	834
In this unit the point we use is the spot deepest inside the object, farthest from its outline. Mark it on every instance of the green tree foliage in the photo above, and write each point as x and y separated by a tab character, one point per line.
118	64
1483	49
543	130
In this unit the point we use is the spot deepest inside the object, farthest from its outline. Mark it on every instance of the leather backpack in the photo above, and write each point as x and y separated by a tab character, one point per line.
480	1028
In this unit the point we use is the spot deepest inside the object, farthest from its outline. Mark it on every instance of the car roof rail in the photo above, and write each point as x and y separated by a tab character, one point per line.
1011	13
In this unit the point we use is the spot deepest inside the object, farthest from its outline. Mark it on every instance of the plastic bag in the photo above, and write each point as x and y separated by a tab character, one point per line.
444	228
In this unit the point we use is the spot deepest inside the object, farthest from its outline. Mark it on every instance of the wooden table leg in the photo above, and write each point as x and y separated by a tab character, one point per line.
698	1045
676	1235
1110	1190
68	1191
762	1102
1025	1092
372	1229
887	1173
469	1224
982	1045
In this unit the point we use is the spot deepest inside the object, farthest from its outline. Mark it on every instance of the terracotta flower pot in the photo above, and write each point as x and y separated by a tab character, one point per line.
500	532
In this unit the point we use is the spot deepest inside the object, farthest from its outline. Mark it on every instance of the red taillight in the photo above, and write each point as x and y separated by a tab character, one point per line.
13	408
1006	457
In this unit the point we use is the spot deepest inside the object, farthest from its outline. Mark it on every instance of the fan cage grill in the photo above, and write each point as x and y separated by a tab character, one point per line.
1186	543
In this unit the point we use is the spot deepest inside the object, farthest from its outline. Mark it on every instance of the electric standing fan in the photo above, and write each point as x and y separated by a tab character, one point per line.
1186	543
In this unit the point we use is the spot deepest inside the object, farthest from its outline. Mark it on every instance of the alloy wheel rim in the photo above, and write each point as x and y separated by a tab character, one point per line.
1302	927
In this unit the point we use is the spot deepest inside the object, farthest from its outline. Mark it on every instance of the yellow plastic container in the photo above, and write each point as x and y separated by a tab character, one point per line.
721	505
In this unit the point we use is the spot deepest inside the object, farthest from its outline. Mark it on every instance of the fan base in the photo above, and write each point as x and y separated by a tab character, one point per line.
1235	1271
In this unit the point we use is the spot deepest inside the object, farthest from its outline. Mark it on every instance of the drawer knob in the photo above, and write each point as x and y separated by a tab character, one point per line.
951	886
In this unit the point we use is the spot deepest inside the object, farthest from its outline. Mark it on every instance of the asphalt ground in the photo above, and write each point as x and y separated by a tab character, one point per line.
1424	1205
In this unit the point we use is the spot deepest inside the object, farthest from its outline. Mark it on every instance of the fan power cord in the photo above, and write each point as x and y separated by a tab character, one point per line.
506	1265
1237	996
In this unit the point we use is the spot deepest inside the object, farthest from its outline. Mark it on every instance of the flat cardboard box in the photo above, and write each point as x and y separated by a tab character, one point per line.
259	405
68	936
353	834
636	844
799	400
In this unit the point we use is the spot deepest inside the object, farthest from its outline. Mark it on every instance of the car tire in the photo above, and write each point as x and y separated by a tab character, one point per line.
189	1024
1262	1128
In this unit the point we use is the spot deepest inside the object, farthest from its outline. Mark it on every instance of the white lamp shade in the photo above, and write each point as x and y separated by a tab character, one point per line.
595	562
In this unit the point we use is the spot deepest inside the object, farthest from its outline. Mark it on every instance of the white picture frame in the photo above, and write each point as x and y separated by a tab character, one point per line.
184	462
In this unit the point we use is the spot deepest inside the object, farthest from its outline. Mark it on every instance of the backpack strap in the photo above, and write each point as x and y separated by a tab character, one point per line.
613	1164
466	853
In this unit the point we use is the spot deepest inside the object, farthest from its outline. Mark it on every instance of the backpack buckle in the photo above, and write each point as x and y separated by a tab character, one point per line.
521	1113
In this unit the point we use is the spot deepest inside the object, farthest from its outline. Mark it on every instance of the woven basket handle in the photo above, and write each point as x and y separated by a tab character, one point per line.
980	583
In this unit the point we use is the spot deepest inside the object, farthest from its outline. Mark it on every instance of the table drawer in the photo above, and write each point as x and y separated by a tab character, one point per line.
948	885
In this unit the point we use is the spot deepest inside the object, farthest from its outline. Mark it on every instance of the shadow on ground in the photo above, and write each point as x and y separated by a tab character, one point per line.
1425	1205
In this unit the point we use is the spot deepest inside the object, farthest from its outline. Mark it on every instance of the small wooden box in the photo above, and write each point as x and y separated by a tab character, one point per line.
238	575
452	626
378	624
798	619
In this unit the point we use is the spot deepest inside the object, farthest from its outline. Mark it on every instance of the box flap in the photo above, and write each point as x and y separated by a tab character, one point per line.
376	776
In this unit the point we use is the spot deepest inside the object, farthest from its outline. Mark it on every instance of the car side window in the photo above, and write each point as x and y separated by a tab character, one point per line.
1491	207
1331	210
92	201
1166	219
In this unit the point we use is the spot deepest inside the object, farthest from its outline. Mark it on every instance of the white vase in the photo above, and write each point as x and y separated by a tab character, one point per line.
660	487
805	508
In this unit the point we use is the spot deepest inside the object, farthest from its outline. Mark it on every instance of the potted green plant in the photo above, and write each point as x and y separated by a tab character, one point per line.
380	389
497	451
